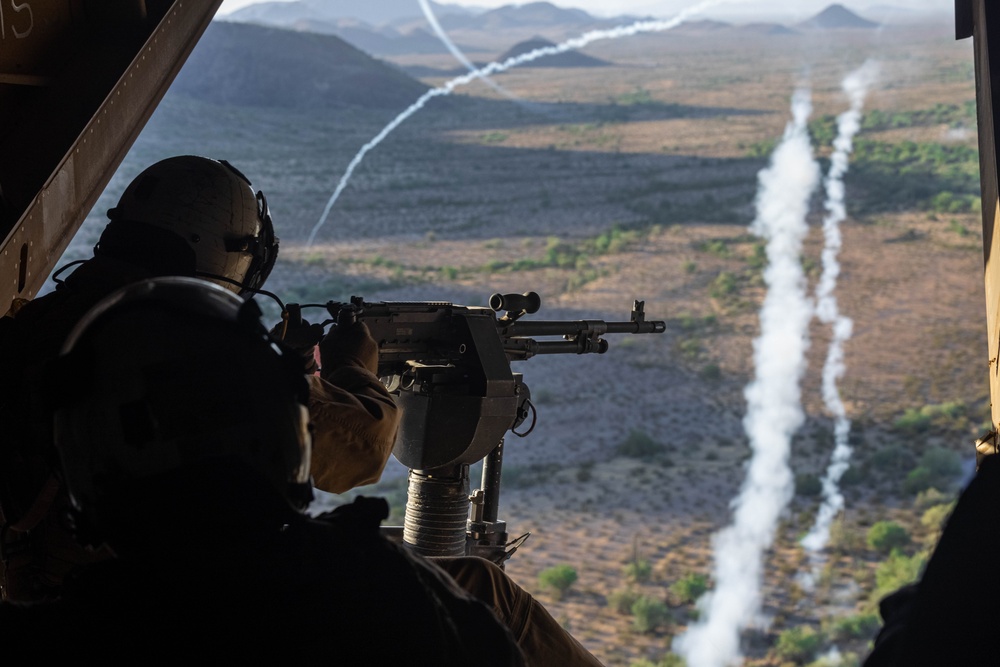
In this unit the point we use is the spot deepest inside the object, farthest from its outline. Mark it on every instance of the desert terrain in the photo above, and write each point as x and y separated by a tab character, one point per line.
658	154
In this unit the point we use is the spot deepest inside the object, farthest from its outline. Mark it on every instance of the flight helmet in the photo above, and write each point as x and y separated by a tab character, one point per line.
192	215
172	374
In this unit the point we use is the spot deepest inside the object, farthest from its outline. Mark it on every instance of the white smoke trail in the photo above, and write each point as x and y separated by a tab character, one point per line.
425	6
855	85
495	67
774	410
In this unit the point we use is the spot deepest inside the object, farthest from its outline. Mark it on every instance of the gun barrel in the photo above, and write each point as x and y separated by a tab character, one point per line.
581	327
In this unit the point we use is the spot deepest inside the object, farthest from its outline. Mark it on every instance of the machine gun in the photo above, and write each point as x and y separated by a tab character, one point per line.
449	369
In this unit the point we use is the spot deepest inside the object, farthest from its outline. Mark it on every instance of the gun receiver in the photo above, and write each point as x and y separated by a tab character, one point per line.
434	332
449	368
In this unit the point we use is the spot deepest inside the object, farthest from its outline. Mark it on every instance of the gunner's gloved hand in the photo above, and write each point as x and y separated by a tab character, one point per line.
301	337
349	345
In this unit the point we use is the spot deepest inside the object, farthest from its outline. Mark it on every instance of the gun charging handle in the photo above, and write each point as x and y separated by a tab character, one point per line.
348	314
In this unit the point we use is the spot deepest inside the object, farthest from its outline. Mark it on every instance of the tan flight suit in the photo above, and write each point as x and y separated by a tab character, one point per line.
354	428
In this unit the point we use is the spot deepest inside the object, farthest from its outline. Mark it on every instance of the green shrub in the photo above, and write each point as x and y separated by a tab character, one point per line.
638	571
930	498
895	572
858	626
893	458
758	256
884	536
918	420
690	588
710	372
944	464
724	285
557	579
716	247
668	660
622	600
639	445
917	480
934	517
939	468
649	614
798	644
851	477
808	485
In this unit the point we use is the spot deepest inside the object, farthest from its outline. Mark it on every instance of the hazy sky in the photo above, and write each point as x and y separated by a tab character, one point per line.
793	9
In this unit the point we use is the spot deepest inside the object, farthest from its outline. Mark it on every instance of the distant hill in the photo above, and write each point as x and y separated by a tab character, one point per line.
398	27
374	12
836	17
702	26
766	29
570	58
384	41
251	65
532	14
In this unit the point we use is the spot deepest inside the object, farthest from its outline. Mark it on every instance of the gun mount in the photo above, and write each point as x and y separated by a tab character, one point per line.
449	367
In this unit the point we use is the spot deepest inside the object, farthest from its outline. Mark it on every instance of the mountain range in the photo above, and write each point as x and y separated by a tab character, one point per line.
299	55
391	27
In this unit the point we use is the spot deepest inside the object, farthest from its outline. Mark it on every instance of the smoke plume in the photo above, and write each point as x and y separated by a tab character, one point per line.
774	410
855	85
425	6
494	68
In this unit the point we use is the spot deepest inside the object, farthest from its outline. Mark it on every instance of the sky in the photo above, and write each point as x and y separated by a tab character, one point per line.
744	9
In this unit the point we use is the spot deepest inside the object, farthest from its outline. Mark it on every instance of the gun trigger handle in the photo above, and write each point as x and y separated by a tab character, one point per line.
346	316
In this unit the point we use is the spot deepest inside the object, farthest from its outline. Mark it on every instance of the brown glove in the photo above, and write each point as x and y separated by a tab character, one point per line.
302	338
348	345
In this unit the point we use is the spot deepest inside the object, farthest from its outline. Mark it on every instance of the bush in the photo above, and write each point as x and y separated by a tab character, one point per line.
934	517
884	536
894	458
895	572
918	480
918	420
622	600
944	464
649	614
798	644
557	579
639	445
939	468
808	485
845	538
859	626
690	588
638	570
930	498
724	285
711	372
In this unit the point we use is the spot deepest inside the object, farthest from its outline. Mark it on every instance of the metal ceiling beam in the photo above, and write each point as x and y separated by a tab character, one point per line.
67	122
